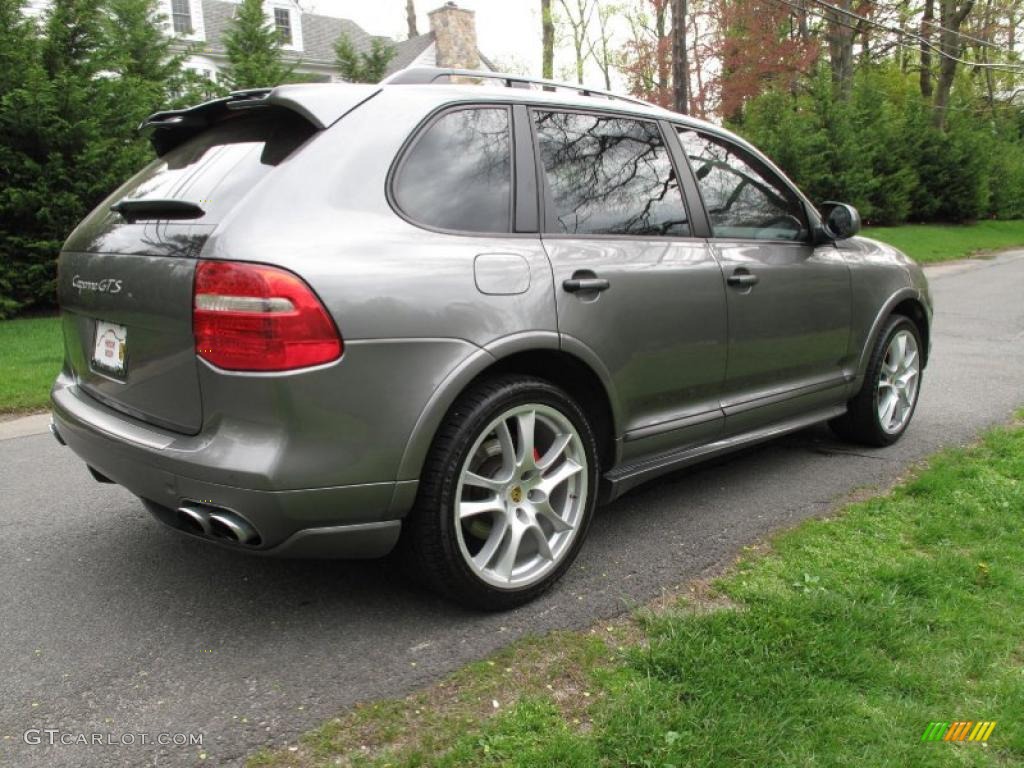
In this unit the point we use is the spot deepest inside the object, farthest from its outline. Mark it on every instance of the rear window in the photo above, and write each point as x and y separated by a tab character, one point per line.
216	168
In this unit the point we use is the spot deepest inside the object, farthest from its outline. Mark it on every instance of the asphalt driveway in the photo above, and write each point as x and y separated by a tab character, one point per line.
111	625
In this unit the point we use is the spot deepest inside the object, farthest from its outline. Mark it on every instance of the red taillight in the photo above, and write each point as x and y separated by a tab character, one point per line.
251	317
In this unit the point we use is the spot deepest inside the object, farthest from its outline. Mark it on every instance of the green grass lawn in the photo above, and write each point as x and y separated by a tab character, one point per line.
939	242
31	353
835	645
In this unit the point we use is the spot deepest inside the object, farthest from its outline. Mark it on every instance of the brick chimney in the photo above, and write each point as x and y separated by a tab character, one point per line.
454	31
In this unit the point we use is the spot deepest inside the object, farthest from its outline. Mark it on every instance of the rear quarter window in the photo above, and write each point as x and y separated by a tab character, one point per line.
457	175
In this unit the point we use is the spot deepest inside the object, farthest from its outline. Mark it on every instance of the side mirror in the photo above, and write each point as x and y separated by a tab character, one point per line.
839	220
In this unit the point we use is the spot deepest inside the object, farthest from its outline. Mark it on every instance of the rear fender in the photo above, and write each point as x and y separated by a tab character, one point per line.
453	385
474	366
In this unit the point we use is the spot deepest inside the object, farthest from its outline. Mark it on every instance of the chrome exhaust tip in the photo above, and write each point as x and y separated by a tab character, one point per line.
195	520
217	523
226	525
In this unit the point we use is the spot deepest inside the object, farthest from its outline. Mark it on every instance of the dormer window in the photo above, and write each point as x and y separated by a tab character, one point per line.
283	24
181	16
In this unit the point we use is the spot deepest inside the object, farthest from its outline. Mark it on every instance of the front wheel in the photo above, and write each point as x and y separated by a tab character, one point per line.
506	496
881	412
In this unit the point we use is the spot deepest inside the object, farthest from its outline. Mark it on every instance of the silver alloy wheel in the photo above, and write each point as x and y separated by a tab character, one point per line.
521	496
898	382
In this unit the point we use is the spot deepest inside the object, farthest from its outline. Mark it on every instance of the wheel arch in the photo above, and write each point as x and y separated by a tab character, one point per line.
909	303
539	355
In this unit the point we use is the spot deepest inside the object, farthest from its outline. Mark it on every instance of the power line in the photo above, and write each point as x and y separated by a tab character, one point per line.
995	66
923	40
978	40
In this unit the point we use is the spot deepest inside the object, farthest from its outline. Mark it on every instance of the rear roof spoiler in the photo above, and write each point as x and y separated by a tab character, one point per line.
322	104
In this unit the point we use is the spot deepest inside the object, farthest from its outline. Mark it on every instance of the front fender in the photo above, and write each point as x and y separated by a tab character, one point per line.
876	328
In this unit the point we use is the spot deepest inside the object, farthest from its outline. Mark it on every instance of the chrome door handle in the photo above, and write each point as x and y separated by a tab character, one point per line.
742	279
574	284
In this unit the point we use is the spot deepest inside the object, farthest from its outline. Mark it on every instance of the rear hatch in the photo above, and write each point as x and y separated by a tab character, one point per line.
125	276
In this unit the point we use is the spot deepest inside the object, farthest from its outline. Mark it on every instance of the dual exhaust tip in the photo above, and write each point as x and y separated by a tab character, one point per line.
217	523
196	518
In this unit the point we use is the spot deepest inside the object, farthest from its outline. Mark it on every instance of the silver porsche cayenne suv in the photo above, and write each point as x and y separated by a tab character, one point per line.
446	319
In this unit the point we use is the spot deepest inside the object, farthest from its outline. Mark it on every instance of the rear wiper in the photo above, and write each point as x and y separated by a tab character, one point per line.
134	210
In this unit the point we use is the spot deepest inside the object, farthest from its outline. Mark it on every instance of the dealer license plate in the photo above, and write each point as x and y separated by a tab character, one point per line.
111	347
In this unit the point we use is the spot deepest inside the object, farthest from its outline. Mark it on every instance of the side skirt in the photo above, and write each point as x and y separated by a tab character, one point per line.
627	476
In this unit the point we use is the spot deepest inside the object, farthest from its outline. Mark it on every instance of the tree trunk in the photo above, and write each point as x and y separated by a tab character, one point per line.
904	10
1011	35
410	18
680	68
664	63
801	21
926	52
601	51
987	35
951	18
548	40
840	50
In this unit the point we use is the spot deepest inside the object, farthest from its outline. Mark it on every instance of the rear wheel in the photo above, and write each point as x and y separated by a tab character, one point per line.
507	494
882	410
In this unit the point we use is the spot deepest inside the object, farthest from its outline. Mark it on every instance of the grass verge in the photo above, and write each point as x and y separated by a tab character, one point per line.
837	647
31	352
944	242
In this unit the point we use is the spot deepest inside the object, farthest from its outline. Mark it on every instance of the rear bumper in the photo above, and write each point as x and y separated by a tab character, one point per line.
170	471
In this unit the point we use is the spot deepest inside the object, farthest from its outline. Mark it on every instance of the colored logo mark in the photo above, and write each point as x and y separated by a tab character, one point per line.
961	730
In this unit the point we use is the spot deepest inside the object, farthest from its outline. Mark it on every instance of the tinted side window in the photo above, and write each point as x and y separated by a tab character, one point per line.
743	200
609	176
458	174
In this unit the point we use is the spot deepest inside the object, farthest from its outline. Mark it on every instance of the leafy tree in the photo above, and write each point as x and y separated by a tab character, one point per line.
646	57
879	148
363	67
73	89
254	49
135	46
73	29
27	111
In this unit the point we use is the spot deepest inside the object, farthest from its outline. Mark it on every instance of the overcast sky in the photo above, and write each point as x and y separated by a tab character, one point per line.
508	31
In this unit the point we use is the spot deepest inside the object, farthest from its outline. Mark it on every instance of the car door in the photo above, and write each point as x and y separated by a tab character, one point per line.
637	294
788	301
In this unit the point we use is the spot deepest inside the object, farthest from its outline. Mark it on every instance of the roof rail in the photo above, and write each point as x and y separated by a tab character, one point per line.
429	75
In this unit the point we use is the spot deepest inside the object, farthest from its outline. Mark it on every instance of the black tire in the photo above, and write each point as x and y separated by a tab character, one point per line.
860	423
430	546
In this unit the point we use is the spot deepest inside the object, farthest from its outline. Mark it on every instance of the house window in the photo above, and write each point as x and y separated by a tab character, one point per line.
283	22
181	16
